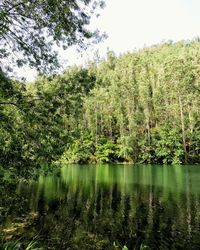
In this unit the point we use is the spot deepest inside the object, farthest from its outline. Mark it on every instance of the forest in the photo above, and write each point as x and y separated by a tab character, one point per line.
139	107
105	155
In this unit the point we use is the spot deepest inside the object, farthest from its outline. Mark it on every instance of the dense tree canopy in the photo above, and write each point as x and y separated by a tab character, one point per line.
30	28
141	107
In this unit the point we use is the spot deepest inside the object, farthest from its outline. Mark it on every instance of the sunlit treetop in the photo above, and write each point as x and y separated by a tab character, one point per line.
30	28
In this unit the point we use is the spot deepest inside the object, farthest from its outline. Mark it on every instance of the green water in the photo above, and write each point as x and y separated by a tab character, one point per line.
106	207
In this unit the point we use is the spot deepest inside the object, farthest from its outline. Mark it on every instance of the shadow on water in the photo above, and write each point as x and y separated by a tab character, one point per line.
106	207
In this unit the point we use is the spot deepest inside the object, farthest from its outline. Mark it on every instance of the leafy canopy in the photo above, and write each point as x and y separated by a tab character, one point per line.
29	29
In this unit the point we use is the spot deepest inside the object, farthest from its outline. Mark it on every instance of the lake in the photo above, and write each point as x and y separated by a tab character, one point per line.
104	207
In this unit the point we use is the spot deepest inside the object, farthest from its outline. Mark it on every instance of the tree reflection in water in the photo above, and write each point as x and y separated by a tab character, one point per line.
108	207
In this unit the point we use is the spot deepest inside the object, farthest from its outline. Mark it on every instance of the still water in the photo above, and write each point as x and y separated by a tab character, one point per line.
107	207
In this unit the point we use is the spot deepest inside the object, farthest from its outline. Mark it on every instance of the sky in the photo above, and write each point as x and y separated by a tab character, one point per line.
134	24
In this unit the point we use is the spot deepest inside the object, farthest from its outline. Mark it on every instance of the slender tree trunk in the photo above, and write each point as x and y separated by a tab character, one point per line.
101	124
182	127
148	132
129	117
96	127
111	132
190	125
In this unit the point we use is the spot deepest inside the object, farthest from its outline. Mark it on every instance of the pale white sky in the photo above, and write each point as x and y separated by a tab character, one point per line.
133	24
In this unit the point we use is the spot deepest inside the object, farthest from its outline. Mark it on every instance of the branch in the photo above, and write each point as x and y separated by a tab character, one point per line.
8	103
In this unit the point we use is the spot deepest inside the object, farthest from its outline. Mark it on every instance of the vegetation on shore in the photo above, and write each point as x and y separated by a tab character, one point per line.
140	107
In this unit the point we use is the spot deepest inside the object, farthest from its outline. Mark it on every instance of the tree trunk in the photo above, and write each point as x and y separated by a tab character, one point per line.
183	127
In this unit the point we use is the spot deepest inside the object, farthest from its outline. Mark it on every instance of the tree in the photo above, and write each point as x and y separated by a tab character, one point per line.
30	28
141	107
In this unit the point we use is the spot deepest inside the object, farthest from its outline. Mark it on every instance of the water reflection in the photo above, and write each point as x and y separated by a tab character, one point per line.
107	207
